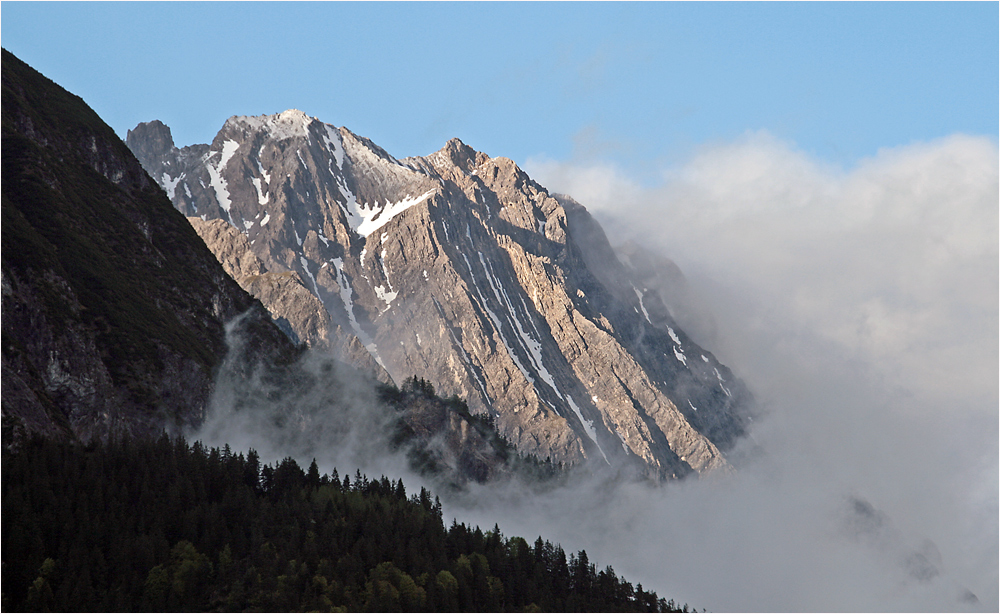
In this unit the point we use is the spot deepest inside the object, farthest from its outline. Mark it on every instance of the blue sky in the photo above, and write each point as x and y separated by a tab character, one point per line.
639	85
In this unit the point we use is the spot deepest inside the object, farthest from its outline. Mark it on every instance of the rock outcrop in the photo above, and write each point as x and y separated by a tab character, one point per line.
460	269
295	309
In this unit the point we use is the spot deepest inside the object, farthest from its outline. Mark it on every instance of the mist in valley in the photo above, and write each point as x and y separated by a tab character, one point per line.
316	408
859	306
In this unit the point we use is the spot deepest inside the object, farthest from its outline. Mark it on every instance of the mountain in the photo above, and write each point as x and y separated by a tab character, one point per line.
119	321
458	268
113	308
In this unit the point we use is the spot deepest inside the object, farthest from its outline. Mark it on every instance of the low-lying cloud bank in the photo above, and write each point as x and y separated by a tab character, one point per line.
861	307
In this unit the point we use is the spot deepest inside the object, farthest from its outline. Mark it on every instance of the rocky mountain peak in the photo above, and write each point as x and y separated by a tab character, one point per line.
150	139
281	126
461	155
458	268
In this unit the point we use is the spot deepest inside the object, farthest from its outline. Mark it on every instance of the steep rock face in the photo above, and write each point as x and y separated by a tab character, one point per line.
662	277
293	307
113	309
459	268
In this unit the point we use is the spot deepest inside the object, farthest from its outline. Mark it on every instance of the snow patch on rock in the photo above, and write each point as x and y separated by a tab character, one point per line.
366	219
679	355
263	197
643	307
588	427
219	184
346	294
170	185
334	144
386	296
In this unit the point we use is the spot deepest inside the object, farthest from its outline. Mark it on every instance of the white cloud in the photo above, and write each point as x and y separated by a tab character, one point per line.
895	261
861	307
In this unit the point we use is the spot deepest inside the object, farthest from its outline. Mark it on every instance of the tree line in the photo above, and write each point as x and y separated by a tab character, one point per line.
164	525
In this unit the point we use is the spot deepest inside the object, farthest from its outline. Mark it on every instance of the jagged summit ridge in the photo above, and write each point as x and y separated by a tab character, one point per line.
285	125
454	153
459	268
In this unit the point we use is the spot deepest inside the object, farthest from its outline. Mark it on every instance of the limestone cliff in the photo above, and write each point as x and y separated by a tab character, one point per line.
293	307
460	269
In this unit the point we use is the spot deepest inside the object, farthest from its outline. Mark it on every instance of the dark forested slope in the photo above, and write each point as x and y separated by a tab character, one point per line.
164	526
113	308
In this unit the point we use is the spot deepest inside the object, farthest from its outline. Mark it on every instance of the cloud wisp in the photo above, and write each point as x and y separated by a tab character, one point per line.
316	408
